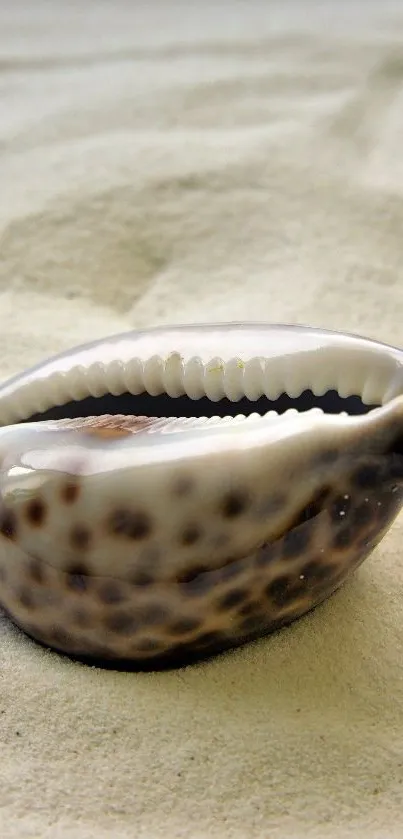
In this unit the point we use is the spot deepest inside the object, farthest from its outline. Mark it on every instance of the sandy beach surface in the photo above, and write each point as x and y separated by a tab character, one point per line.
169	162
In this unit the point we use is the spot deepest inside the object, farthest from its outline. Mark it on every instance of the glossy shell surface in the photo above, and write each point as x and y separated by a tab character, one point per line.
128	537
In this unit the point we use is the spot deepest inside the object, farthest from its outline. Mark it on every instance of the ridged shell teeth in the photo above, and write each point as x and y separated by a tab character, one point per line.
133	376
153	375
215	379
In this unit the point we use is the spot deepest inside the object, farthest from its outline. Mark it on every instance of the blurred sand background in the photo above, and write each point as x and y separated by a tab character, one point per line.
187	161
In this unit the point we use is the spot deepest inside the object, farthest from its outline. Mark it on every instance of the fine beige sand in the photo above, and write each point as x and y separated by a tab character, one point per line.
170	162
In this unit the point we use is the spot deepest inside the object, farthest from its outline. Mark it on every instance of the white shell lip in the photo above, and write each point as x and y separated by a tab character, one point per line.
217	360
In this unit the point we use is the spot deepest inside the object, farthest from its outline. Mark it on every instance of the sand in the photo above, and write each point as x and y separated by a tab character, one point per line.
172	162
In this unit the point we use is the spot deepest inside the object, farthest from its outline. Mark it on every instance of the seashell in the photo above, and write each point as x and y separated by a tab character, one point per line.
172	493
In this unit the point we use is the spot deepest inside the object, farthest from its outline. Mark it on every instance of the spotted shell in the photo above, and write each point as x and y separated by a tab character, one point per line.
170	494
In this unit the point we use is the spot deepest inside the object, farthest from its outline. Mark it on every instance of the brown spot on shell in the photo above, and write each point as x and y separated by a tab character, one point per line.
184	625
25	598
278	590
36	511
80	537
250	608
233	598
253	623
135	524
123	623
234	504
8	524
142	578
110	592
70	492
190	535
367	476
77	578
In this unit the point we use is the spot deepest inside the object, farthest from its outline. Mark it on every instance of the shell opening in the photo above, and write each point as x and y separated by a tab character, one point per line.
145	404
